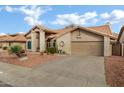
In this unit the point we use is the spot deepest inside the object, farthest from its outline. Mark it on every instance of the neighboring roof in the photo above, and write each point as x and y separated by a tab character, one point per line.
121	31
115	34
15	38
19	38
6	38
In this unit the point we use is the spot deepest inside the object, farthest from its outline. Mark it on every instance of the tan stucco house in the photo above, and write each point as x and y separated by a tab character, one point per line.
73	40
15	39
120	42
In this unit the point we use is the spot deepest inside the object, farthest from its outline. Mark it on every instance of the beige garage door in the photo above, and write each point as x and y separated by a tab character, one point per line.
87	48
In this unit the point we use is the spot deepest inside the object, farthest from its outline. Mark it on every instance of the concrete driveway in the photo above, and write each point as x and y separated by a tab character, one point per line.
70	71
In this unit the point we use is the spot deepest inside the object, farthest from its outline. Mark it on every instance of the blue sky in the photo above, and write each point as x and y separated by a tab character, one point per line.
15	19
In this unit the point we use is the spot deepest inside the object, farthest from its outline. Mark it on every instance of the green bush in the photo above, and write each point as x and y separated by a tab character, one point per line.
5	48
16	50
51	50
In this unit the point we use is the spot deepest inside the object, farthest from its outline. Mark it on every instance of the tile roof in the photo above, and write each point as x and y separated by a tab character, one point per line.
104	29
101	30
41	28
16	38
19	38
6	38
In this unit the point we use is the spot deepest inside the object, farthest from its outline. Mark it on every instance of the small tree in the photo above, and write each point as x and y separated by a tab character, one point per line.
16	50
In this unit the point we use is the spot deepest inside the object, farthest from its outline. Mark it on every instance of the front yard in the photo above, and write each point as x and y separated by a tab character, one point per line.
114	67
31	60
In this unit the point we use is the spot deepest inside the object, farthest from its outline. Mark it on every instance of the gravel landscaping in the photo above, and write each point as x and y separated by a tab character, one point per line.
32	59
2	84
114	67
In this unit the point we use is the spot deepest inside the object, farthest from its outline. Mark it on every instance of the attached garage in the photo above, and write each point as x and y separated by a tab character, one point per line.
90	48
86	41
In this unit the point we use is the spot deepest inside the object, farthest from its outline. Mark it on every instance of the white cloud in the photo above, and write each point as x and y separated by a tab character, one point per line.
8	9
115	16
31	13
105	15
1	34
21	32
32	21
75	18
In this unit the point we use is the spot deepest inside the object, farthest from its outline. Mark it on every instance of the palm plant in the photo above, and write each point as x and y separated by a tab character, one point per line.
16	49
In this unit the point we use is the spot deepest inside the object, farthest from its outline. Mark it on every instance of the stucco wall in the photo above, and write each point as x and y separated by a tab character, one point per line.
122	38
4	44
37	42
34	41
23	45
67	43
116	49
85	36
123	50
107	46
42	41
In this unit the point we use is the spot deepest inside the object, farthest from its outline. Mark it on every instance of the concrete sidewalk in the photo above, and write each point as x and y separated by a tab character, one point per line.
71	71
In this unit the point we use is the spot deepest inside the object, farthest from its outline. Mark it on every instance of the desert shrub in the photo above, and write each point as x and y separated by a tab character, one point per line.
51	50
5	48
0	47
16	50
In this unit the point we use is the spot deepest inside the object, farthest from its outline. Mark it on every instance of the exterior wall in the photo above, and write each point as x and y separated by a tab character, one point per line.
37	39
116	49
110	49
87	39
42	41
85	36
4	44
122	44
34	42
122	38
22	44
107	46
67	43
122	49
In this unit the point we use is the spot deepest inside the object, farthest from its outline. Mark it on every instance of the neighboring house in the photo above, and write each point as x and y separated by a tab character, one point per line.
10	40
120	43
73	40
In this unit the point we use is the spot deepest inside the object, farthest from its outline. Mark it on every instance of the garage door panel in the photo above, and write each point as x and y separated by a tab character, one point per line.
87	48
